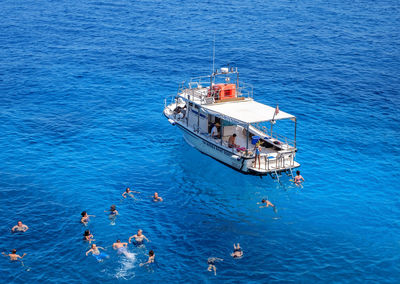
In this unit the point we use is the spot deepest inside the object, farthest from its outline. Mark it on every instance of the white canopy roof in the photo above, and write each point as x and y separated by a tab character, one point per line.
246	111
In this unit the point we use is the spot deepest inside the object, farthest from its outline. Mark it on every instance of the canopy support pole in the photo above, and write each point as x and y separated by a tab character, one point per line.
295	130
247	140
188	109
272	124
198	120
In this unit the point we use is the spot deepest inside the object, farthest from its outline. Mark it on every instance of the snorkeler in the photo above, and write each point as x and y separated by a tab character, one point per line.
14	256
151	258
87	236
138	238
128	191
121	247
20	227
298	179
211	264
156	198
85	217
237	251
96	252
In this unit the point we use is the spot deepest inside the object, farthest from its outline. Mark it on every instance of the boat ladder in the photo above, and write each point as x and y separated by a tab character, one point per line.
276	175
290	173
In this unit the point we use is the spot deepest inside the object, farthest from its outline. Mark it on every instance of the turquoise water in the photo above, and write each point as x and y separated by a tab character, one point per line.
81	98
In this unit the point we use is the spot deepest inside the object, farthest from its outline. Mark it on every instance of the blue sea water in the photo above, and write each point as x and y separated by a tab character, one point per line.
82	85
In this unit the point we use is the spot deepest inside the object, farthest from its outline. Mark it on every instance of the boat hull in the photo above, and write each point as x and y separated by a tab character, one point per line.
242	164
214	151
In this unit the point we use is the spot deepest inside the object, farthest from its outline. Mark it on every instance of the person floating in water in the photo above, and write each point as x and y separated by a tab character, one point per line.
14	256
95	250
121	248
19	227
85	218
112	214
129	192
237	251
298	179
266	203
138	238
87	236
156	198
211	264
151	258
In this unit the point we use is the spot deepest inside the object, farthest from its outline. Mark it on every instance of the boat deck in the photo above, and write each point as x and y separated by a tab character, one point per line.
274	167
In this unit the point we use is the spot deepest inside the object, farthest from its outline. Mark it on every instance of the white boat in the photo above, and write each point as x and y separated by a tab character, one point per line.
222	101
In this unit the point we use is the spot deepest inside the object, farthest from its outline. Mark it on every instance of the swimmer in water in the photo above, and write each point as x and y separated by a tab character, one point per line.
85	218
14	256
156	198
87	236
298	179
237	251
19	227
121	248
112	214
129	192
138	238
151	258
113	211
266	203
211	264
96	252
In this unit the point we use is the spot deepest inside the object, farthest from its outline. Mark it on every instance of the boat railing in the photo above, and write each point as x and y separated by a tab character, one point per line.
283	139
244	90
200	90
169	100
275	136
282	161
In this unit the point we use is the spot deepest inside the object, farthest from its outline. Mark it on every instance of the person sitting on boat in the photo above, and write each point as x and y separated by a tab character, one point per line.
180	112
298	179
214	131
231	141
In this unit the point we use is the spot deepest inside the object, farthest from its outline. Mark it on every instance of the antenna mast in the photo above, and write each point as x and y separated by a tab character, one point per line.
212	71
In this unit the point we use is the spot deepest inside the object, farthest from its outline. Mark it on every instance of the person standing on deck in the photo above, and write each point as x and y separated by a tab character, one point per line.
257	155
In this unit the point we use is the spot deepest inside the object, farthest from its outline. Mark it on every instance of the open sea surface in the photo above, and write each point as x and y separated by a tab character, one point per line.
82	88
